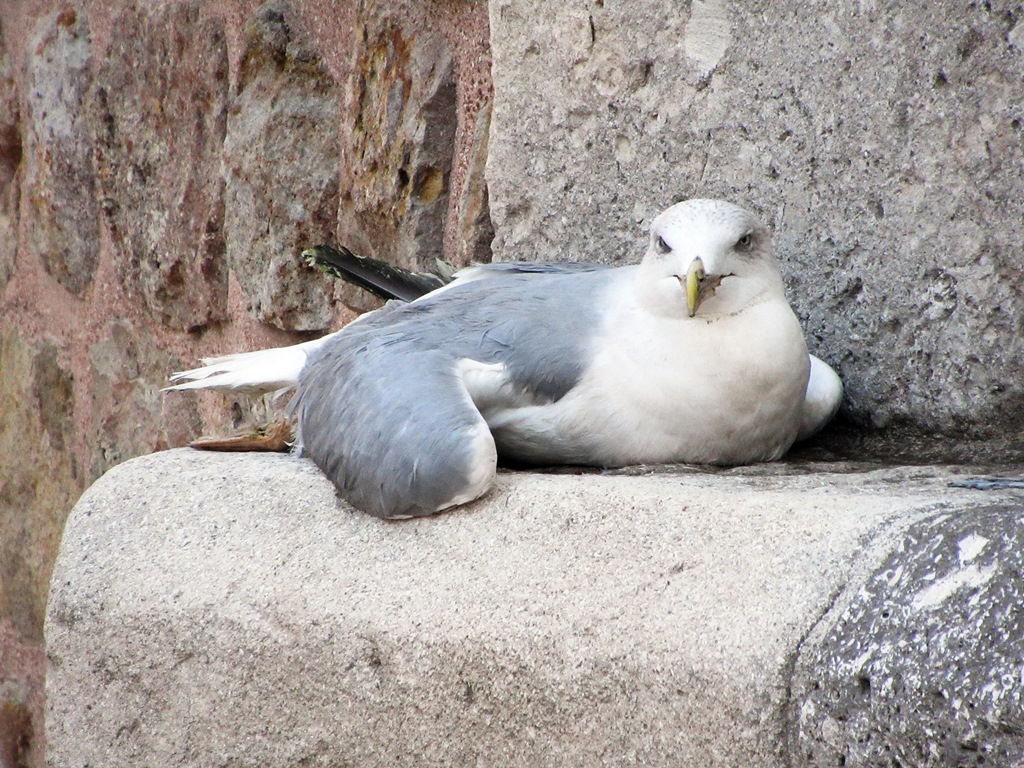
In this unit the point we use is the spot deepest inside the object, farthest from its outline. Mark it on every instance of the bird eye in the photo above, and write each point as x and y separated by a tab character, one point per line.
745	242
661	245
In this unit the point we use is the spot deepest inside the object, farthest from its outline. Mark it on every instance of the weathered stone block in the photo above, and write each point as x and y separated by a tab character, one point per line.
473	230
15	728
281	157
60	178
890	211
21	699
40	479
923	665
560	621
394	199
8	231
131	416
10	161
159	113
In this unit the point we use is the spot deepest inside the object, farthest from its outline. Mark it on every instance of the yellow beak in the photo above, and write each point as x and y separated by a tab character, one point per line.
694	280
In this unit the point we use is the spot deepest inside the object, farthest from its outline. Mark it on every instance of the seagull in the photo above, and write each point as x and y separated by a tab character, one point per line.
691	356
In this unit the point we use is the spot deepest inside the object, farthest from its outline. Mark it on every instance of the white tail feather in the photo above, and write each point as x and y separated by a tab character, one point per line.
262	371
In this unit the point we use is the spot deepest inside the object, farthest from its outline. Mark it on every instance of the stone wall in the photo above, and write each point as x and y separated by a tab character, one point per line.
162	164
161	167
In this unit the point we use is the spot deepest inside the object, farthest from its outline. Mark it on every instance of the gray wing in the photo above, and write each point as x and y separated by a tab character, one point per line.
384	411
394	446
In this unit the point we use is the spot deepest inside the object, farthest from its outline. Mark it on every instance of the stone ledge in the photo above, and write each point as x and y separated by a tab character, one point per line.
213	609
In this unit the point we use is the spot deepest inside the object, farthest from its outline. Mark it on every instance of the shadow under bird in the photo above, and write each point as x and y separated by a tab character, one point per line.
694	355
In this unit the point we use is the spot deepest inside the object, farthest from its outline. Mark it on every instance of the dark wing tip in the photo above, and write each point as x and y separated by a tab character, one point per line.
378	277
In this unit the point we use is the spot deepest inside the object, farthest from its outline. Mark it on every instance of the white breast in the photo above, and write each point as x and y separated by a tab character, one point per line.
674	390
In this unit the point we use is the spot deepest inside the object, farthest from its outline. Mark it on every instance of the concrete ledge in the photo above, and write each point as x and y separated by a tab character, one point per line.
214	609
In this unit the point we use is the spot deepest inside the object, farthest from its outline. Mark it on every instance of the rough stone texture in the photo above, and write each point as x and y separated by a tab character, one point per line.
475	232
281	156
468	232
21	699
37	487
213	609
113	176
923	665
60	177
15	731
159	110
10	159
402	94
881	141
131	415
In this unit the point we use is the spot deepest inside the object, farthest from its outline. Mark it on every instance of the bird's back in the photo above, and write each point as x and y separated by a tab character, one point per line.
385	408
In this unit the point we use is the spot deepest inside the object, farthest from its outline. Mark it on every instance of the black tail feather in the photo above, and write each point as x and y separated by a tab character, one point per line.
379	278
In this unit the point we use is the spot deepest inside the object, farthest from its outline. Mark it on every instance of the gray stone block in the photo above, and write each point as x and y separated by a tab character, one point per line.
924	665
281	163
60	177
402	104
212	609
159	113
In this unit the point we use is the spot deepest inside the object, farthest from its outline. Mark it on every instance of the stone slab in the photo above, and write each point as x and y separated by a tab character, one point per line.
923	664
211	609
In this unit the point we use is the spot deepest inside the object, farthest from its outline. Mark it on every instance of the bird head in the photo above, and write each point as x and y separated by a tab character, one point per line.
708	258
